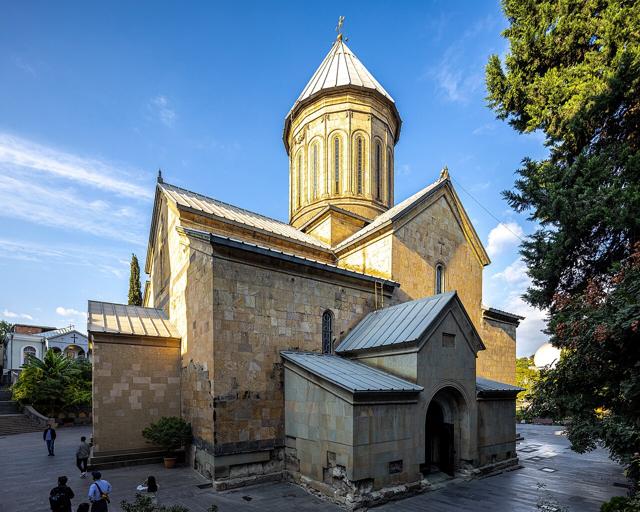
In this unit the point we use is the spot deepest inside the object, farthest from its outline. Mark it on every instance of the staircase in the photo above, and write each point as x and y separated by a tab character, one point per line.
11	420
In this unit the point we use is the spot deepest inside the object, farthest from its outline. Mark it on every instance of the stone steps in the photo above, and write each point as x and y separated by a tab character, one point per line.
11	424
8	407
130	459
5	395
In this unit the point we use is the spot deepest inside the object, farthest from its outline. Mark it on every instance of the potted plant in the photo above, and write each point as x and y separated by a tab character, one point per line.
170	433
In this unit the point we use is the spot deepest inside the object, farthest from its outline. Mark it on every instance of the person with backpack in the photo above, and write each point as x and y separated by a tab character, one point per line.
99	493
60	496
49	436
82	456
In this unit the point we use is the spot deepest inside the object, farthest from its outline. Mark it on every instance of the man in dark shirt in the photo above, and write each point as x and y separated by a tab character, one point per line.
60	497
49	436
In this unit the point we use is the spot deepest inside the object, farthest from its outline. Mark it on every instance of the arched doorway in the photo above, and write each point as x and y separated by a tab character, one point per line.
446	432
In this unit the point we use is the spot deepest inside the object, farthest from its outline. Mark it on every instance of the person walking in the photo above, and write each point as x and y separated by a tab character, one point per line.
60	496
82	456
99	493
49	436
150	488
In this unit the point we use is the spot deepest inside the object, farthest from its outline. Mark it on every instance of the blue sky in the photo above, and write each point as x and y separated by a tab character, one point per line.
95	97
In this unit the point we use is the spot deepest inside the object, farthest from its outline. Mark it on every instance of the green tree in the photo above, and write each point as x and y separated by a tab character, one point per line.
526	376
573	72
135	295
54	383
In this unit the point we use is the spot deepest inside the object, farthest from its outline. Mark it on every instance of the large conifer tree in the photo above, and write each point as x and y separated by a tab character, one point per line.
573	72
135	295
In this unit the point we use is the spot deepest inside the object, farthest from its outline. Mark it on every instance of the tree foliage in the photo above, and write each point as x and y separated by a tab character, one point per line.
573	72
526	377
54	384
135	295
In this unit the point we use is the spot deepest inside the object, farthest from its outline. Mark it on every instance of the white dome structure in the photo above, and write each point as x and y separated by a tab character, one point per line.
546	356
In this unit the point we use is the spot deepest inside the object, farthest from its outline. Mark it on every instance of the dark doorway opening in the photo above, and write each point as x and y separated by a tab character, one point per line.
439	442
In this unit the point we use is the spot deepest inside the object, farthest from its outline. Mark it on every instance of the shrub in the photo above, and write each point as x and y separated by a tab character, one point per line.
170	433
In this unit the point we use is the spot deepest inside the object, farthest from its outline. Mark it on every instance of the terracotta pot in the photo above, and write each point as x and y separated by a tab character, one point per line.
170	462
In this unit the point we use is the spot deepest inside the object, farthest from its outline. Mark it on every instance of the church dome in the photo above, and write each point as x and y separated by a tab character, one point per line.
340	136
546	355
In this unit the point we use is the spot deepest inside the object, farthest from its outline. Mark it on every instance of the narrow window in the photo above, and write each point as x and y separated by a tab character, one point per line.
315	171
378	176
327	332
336	165
439	278
389	175
448	340
359	164
299	184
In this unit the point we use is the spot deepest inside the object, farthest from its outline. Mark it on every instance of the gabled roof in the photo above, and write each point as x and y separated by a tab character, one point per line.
395	325
61	332
109	318
351	375
487	387
235	214
415	201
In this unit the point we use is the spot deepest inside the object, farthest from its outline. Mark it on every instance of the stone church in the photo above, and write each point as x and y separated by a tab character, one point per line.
348	350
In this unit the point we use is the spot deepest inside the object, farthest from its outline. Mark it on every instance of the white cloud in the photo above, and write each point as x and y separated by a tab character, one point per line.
502	237
161	108
530	335
516	273
63	209
457	85
485	128
22	153
10	314
67	312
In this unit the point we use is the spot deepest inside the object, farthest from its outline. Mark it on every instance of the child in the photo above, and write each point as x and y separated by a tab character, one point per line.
151	488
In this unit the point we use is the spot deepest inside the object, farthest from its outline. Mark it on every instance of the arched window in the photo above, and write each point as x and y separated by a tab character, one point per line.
359	163
389	176
314	168
299	181
327	332
439	278
336	165
26	352
378	172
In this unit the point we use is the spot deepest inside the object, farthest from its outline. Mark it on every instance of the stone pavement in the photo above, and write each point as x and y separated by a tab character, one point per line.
580	482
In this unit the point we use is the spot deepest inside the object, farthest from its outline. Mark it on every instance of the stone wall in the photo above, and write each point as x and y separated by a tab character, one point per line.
496	430
498	361
259	311
136	381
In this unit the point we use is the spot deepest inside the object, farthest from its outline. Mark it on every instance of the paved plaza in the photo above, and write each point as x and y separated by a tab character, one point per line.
579	482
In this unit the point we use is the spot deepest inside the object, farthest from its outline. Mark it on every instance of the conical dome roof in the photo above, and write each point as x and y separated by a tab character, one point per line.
340	68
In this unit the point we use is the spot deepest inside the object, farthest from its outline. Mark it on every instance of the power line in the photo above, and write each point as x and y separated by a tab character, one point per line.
486	209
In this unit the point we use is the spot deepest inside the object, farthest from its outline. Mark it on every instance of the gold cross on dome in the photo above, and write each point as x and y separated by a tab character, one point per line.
339	26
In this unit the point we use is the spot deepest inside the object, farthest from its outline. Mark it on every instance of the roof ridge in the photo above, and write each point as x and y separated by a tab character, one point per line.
228	204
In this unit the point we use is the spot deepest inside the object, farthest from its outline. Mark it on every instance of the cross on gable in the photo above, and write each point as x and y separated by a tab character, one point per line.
74	337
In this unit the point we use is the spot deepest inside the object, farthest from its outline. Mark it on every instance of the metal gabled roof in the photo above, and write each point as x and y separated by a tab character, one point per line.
232	213
109	318
391	214
404	323
488	387
351	375
60	332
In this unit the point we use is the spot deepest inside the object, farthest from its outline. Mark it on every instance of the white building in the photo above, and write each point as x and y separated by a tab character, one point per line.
25	340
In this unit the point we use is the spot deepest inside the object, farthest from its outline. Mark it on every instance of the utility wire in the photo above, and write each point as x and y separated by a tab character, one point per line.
486	209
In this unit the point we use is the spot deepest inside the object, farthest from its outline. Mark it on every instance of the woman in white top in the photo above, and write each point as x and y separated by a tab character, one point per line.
150	488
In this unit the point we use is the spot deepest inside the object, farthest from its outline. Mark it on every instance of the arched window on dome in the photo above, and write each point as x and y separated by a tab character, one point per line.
327	332
299	181
389	175
314	169
359	164
439	278
336	165
378	172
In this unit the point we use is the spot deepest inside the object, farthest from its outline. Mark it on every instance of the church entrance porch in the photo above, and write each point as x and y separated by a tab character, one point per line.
446	432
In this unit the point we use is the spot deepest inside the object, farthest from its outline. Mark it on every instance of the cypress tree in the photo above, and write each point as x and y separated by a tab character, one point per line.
135	295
